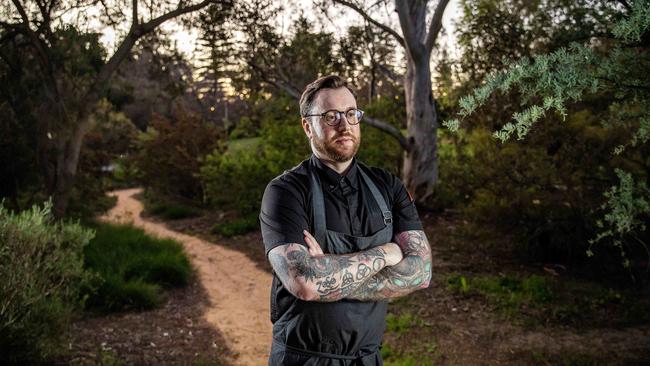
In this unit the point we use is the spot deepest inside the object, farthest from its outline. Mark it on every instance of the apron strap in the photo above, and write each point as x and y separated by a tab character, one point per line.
318	206
386	213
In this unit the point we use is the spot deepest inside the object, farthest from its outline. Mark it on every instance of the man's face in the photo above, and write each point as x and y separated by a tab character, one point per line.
336	143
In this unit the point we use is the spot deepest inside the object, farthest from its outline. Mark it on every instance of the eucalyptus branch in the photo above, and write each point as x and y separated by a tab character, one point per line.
370	19
436	25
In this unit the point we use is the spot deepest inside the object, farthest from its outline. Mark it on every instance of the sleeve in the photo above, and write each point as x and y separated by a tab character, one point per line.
282	216
405	215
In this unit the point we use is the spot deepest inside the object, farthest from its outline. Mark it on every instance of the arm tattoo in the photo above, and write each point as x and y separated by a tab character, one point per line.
412	273
327	277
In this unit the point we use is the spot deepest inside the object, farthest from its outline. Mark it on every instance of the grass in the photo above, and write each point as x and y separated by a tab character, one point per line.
237	226
401	324
565	358
171	210
421	352
539	300
131	268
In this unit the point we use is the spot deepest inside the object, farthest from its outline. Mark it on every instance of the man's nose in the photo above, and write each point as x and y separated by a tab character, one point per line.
344	124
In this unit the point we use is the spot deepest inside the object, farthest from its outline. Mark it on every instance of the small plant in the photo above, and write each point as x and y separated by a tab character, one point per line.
172	210
132	267
237	226
41	267
402	323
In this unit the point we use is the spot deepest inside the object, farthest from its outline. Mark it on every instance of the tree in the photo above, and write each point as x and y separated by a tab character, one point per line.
34	31
368	56
611	69
420	168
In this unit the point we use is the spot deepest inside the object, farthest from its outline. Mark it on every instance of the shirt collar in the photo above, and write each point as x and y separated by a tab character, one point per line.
333	179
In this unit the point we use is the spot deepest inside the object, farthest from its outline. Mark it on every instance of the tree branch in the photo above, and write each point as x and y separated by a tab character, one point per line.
412	45
136	31
152	24
367	17
285	86
436	25
389	129
390	74
135	21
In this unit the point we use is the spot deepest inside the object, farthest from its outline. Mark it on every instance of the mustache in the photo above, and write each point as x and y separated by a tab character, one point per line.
346	135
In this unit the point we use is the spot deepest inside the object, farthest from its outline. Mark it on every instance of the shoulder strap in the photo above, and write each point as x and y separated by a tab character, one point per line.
318	207
386	213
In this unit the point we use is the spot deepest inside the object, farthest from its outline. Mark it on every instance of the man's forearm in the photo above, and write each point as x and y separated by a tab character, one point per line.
326	277
412	273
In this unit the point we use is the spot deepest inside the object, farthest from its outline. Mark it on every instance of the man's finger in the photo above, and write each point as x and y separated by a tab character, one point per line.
314	247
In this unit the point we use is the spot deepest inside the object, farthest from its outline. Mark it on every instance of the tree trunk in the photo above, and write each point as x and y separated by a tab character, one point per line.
420	169
67	160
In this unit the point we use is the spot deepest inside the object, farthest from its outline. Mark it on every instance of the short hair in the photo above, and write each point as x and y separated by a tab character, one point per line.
311	90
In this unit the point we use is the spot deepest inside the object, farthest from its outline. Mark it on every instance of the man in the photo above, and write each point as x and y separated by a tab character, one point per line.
342	239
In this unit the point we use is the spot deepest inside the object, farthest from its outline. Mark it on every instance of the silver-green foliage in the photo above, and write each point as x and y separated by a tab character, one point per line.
41	271
617	68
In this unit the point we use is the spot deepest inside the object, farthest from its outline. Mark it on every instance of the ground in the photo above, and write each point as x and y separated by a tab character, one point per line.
453	322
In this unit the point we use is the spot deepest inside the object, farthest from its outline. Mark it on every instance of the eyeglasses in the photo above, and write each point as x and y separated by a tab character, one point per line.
334	117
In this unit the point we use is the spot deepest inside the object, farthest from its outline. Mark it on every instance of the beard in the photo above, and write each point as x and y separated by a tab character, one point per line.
336	153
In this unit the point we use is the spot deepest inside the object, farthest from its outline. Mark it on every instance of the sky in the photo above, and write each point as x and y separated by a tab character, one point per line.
186	41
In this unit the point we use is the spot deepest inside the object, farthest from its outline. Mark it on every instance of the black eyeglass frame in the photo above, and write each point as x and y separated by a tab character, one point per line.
339	116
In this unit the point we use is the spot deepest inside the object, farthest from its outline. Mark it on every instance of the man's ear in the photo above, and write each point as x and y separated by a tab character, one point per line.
306	126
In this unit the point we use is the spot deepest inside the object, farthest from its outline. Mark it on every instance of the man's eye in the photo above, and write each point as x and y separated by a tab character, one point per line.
330	116
352	113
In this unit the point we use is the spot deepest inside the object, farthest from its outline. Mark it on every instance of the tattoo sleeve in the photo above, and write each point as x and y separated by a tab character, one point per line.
327	277
412	273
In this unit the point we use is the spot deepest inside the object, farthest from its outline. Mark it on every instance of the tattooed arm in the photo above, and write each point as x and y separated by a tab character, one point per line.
412	273
312	276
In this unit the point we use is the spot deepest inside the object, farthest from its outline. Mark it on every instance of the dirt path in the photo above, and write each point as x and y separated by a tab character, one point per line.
237	290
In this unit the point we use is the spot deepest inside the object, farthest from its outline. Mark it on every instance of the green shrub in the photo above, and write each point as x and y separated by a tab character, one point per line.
377	148
546	190
132	267
237	226
41	267
171	153
171	210
236	181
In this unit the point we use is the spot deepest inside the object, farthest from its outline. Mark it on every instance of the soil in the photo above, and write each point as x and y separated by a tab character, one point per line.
450	329
228	303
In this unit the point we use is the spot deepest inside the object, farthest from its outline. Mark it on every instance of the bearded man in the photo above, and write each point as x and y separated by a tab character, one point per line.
342	239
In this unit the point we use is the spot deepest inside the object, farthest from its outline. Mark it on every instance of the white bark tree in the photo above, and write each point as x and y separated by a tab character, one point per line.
420	170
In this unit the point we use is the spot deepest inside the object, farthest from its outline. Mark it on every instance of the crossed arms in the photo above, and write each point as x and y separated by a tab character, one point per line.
383	272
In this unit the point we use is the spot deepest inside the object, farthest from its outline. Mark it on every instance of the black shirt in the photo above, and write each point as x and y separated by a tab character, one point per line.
349	206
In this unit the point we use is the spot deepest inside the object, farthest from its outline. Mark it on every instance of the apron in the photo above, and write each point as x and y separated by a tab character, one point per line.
341	333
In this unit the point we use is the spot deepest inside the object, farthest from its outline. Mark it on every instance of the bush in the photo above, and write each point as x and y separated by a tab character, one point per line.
41	266
167	209
379	149
235	179
547	189
237	226
132	268
171	155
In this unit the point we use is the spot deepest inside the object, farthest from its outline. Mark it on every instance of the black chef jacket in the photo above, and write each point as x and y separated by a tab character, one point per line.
349	206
